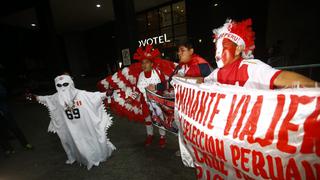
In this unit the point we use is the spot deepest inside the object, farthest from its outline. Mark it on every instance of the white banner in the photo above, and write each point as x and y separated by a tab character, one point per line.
229	132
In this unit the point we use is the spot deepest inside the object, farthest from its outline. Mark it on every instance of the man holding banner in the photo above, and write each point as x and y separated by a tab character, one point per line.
248	132
236	66
191	66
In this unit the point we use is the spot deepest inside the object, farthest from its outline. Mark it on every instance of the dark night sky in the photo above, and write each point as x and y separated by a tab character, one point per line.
83	39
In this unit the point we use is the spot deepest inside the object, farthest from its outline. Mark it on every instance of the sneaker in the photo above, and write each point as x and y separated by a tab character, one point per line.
162	142
148	140
70	161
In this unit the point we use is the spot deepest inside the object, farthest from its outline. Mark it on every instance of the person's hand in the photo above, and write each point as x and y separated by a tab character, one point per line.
200	80
135	95
30	97
109	92
151	87
129	100
178	75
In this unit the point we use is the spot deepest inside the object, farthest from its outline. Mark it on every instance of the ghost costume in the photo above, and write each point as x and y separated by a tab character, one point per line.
81	122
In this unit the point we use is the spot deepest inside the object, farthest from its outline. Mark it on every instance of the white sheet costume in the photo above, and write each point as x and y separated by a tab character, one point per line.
81	122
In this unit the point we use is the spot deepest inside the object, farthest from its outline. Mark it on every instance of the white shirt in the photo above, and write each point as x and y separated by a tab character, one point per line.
144	82
253	73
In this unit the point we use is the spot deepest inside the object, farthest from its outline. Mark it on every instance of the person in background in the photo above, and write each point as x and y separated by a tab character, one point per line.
191	65
7	122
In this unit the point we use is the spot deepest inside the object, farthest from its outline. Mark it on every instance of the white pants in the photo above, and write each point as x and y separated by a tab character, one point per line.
149	127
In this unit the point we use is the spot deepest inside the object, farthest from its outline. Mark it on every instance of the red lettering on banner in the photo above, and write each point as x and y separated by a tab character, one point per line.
204	119
201	110
208	174
292	170
278	168
258	164
220	149
282	143
241	175
217	177
203	141
244	159
197	155
240	157
235	154
209	146
251	125
178	96
215	109
194	106
238	173
193	135
199	171
214	176
189	102
233	113
186	128
311	138
308	169
275	119
243	113
210	161
184	99
202	107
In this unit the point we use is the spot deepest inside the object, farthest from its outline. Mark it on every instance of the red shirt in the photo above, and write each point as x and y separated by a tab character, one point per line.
196	67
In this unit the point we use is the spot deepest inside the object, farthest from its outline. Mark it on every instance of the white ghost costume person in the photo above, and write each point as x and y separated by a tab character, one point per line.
81	122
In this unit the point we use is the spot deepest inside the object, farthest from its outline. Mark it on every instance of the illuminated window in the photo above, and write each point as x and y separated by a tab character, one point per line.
179	12
165	16
169	19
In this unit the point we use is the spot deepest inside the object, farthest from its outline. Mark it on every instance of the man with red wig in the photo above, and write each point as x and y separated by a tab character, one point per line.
234	46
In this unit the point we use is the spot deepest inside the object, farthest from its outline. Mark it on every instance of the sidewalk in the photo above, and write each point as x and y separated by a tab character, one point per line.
130	161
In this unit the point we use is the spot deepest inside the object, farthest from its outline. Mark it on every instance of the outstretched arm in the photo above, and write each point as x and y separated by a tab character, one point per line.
292	79
40	99
31	97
